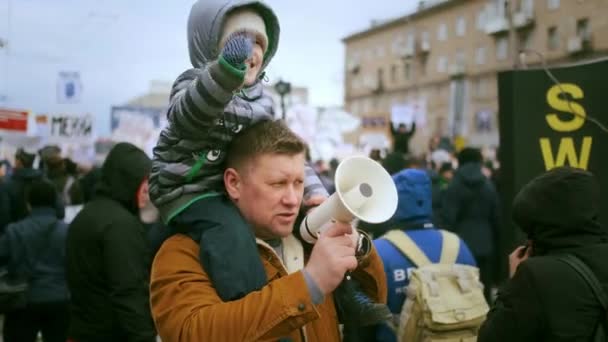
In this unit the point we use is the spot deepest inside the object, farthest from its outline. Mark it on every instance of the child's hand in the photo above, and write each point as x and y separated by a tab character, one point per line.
238	49
313	202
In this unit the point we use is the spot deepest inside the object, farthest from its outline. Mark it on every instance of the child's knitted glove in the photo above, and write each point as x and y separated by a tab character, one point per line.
238	49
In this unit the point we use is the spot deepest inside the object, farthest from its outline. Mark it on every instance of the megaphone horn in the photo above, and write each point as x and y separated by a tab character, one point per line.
364	190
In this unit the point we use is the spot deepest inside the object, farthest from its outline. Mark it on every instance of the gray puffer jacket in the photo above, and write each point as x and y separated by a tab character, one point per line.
206	111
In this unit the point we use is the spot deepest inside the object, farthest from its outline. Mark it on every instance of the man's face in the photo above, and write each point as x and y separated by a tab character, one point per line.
254	64
269	192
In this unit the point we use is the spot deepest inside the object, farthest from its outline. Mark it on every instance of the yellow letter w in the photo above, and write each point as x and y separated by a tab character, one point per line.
566	151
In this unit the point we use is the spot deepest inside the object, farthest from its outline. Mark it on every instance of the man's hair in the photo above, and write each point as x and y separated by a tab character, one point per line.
469	155
264	137
26	159
41	193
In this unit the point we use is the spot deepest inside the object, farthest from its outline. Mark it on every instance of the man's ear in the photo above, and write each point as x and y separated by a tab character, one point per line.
232	182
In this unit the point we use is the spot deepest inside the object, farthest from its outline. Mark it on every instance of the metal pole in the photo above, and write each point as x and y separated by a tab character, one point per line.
514	49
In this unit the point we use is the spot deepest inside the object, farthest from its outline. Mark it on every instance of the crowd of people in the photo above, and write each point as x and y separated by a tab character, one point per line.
199	242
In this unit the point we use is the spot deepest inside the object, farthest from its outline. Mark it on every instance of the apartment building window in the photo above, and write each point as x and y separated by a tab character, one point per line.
425	37
480	87
394	73
380	51
407	71
380	78
582	28
442	32
481	20
397	45
480	55
553	4
461	26
502	48
442	64
526	6
525	40
552	38
460	57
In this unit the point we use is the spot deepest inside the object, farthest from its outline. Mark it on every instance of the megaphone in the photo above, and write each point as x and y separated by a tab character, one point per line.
364	190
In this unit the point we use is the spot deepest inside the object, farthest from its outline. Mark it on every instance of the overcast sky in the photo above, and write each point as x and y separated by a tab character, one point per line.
118	46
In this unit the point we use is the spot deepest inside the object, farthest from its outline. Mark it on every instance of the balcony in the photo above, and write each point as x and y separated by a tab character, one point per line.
523	19
457	70
578	44
407	51
424	47
496	25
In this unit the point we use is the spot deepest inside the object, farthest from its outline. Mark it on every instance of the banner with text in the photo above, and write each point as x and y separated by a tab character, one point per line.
140	126
65	128
544	125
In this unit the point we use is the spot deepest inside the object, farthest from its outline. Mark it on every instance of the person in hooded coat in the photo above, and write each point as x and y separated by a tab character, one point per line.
469	207
413	218
108	257
546	299
35	250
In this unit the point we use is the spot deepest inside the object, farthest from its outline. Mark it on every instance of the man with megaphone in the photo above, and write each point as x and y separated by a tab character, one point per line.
264	179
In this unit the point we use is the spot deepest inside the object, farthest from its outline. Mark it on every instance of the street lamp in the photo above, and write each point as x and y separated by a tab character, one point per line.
282	88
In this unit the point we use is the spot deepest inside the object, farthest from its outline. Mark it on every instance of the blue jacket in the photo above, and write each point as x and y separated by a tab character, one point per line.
413	217
396	267
35	248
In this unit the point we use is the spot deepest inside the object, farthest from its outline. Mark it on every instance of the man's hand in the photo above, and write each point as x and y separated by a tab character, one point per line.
519	255
238	49
332	256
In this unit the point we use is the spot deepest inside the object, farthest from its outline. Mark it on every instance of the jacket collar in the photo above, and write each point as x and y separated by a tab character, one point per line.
293	253
43	211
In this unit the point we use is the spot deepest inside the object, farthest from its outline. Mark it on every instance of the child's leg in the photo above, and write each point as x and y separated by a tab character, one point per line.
228	253
355	308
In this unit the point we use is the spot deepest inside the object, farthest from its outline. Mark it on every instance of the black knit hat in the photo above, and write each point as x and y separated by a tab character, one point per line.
559	205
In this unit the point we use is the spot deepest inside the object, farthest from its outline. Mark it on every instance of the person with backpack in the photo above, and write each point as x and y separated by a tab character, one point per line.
559	279
35	250
414	242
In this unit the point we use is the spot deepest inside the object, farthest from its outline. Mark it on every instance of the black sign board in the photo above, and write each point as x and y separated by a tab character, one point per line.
538	130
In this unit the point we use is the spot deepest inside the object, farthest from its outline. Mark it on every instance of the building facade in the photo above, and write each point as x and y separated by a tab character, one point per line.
443	60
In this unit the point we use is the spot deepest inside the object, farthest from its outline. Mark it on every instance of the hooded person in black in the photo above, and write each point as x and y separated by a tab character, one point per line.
546	299
108	256
469	208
